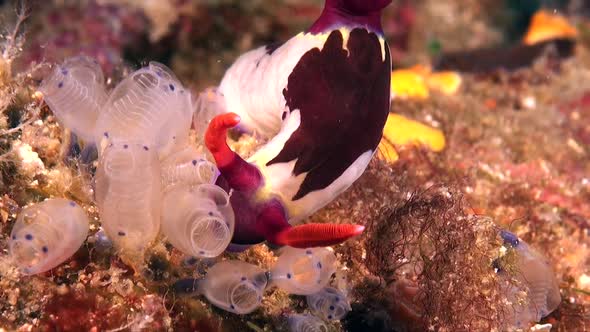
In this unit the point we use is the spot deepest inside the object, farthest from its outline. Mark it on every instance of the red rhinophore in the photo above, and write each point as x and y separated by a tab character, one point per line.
215	138
317	235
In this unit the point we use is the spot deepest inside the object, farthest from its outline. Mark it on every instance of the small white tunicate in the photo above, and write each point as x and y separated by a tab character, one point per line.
198	220
234	286
128	194
540	285
150	105
46	234
187	167
342	282
329	303
75	92
303	271
209	103
306	323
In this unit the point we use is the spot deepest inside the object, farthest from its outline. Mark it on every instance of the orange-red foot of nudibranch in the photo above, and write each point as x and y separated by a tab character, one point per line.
316	235
216	135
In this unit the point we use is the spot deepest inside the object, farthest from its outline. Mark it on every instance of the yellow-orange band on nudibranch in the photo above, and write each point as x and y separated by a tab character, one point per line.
545	26
386	151
400	131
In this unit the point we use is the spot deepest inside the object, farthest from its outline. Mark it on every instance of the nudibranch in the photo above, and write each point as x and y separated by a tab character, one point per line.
322	98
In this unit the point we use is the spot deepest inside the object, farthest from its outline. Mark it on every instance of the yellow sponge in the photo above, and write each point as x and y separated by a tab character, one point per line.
400	131
546	26
416	82
408	83
447	82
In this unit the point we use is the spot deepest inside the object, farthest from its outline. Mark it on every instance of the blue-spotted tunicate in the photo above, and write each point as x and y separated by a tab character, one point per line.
151	106
128	193
238	287
46	234
234	286
187	167
75	92
197	217
198	220
534	275
306	323
209	103
148	172
329	303
303	271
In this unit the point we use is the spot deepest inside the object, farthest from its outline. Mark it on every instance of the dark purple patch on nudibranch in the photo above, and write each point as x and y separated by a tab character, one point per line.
344	99
350	14
271	48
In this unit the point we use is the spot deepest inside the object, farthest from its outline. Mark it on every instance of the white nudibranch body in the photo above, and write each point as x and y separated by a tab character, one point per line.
303	271
75	92
306	323
46	234
128	194
150	106
234	286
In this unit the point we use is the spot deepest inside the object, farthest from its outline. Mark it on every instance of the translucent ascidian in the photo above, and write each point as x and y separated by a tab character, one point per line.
198	220
329	303
151	106
303	271
533	272
306	323
187	167
209	103
128	194
234	286
197	217
46	234
75	92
